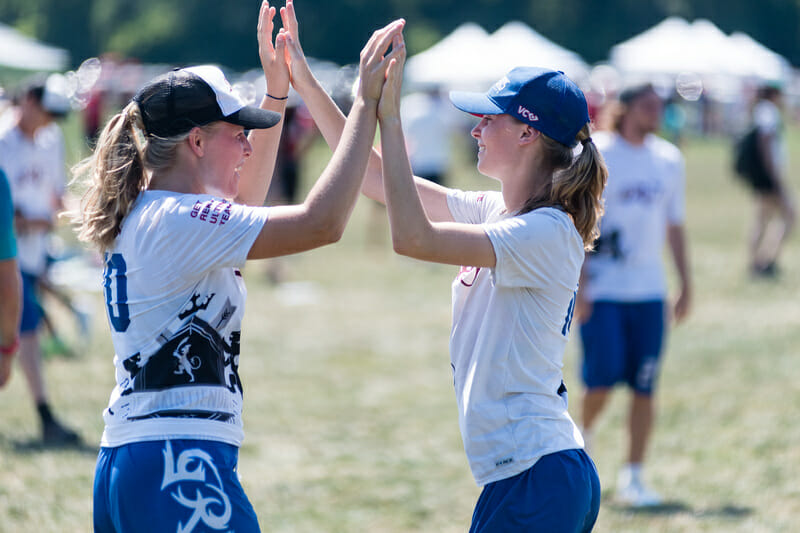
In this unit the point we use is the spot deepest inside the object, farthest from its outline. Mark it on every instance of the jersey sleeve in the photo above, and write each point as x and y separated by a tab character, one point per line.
8	244
471	207
210	234
534	249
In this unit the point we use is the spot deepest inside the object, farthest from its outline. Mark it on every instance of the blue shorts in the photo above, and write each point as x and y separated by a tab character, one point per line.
560	493
622	343
31	308
169	486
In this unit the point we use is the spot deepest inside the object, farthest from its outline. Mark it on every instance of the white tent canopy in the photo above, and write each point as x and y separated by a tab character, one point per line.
23	52
470	58
518	45
456	60
675	46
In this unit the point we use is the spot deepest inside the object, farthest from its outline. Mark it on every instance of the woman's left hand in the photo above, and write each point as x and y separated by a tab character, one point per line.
273	56
389	104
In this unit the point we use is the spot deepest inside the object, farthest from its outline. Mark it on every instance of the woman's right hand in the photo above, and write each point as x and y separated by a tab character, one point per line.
374	62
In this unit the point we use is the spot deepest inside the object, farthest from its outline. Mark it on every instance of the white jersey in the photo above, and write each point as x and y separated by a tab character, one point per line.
36	174
510	329
644	194
175	302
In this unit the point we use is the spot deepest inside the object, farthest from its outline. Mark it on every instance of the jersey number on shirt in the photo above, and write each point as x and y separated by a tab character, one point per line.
568	318
116	289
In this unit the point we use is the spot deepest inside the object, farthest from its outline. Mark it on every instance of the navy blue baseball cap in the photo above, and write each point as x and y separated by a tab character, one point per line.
545	99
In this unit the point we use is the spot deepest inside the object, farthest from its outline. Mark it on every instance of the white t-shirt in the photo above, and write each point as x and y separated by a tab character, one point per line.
175	302
510	329
36	174
644	194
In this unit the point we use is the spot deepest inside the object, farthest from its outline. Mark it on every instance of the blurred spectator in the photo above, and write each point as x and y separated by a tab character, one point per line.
621	302
32	157
428	122
10	283
774	202
297	135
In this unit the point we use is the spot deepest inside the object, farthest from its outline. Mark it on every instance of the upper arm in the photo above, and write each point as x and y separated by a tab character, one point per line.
288	230
452	243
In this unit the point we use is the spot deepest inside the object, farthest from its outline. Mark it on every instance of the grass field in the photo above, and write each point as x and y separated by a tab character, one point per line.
350	416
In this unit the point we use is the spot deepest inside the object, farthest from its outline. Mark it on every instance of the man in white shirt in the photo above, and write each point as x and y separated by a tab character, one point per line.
32	157
621	302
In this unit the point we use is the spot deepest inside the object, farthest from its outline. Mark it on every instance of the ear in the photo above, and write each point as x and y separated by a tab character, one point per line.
197	142
528	135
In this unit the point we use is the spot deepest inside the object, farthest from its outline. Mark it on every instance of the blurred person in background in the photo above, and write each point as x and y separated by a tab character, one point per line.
10	284
622	302
774	202
32	157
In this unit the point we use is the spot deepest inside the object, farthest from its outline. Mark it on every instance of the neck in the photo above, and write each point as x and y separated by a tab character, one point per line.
177	180
28	126
532	185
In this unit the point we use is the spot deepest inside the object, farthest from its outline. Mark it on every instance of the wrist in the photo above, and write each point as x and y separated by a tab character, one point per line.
10	349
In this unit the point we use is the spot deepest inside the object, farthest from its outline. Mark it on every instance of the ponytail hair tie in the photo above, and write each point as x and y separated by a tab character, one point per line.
586	141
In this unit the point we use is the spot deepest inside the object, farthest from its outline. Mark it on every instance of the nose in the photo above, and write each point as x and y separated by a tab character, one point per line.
247	148
476	131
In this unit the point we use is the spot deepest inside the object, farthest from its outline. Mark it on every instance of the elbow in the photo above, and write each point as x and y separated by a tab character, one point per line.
409	246
328	229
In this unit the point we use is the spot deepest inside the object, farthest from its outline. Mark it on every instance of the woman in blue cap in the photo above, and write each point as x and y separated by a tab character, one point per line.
521	252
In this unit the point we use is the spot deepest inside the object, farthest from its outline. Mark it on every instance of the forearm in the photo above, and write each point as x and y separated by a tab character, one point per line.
411	230
677	243
10	301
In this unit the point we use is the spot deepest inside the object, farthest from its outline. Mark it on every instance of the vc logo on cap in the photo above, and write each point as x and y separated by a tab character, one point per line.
524	112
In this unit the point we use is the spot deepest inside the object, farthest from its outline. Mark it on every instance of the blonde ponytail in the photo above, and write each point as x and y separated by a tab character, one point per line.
114	175
117	172
577	185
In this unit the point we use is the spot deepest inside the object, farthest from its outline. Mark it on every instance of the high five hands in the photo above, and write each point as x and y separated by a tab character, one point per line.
378	66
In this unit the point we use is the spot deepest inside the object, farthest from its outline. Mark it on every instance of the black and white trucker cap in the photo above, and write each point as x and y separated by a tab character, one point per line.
177	101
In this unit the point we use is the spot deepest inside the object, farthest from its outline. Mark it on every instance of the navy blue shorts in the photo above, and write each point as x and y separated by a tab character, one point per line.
560	493
31	308
168	486
622	343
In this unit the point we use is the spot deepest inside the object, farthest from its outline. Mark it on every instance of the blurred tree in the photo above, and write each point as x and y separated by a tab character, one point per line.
190	31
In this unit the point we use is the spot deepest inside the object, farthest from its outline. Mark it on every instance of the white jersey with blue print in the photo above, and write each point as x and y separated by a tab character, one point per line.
644	195
510	329
175	301
36	173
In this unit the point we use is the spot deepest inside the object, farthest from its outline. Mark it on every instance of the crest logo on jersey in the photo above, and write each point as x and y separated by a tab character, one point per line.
194	469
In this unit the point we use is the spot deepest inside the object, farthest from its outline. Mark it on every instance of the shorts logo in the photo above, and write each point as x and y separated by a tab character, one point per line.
196	467
526	113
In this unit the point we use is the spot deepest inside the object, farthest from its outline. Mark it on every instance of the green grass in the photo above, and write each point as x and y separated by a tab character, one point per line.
350	417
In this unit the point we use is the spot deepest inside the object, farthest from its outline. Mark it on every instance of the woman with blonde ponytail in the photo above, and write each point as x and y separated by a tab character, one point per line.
174	200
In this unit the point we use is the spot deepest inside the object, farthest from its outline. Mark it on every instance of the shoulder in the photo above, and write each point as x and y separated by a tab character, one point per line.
548	223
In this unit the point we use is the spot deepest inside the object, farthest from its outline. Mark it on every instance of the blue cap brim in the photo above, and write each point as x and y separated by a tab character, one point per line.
475	103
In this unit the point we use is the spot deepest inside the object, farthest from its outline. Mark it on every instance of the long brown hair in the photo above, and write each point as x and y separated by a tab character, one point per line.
577	184
115	174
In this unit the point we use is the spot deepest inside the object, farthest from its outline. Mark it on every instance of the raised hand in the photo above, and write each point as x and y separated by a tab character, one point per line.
273	56
375	61
299	71
389	105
